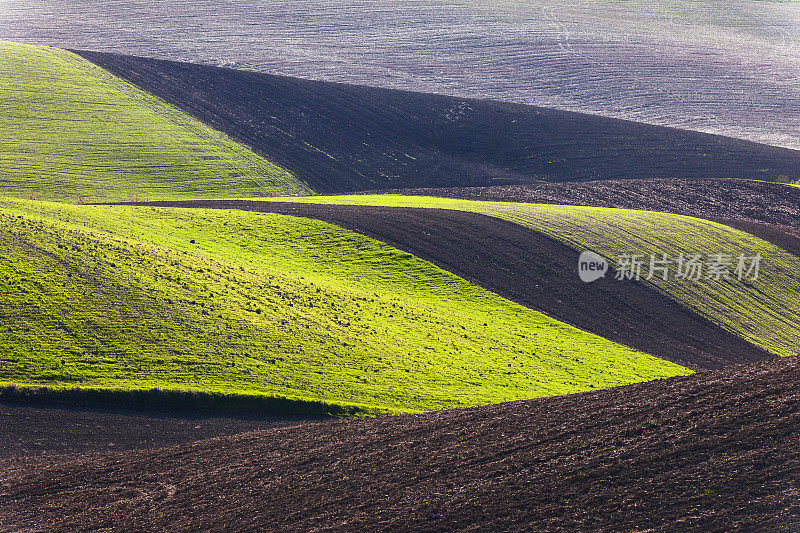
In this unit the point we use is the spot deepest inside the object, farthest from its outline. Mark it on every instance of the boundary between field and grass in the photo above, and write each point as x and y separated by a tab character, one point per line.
187	401
62	377
777	343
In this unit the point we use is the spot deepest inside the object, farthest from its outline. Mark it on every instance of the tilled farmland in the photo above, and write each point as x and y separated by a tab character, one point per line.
724	68
532	269
341	138
559	290
29	432
754	201
715	451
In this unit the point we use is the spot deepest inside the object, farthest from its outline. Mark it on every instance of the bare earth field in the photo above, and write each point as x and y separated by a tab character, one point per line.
721	66
786	238
752	201
715	451
28	431
340	137
533	270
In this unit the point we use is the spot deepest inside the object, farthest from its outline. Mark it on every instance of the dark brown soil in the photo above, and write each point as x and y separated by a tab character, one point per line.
32	431
716	451
533	270
753	201
346	138
786	238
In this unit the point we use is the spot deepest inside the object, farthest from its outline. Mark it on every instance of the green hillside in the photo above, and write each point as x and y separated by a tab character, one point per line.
765	312
71	128
261	304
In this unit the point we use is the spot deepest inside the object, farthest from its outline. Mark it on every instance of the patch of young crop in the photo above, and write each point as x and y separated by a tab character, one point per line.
246	303
74	132
766	311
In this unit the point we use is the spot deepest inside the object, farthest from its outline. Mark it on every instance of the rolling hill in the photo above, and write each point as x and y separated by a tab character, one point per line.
444	294
715	451
534	270
762	311
342	138
244	307
72	131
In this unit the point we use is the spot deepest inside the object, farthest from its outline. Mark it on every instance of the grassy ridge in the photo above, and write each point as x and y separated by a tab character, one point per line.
765	312
71	128
121	298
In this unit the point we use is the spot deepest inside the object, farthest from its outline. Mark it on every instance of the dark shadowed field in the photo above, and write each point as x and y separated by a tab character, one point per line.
533	270
341	138
713	452
31	431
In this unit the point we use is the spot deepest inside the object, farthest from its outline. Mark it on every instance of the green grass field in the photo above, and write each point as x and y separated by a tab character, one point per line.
765	312
259	304
121	299
71	128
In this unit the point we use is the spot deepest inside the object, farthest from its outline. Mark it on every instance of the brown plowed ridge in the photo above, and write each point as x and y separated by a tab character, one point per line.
340	137
782	237
753	201
31	431
531	269
716	451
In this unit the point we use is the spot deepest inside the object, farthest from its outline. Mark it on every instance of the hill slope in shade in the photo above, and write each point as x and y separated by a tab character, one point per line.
71	128
765	311
534	270
348	138
716	451
118	298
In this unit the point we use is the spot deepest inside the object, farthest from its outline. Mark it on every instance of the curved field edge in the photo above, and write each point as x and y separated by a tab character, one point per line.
765	312
734	199
349	138
73	131
531	269
641	457
208	300
782	237
187	400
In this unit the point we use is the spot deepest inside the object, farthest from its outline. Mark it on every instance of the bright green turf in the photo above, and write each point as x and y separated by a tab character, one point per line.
765	312
71	128
119	297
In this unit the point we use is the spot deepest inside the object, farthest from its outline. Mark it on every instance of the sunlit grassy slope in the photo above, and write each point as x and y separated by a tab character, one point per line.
121	297
766	312
71	128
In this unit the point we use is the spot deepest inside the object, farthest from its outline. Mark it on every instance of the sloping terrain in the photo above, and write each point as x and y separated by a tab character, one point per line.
764	311
754	201
728	68
770	211
785	238
249	306
716	451
30	432
534	270
73	131
347	138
